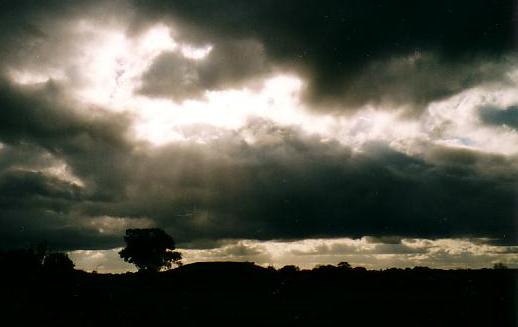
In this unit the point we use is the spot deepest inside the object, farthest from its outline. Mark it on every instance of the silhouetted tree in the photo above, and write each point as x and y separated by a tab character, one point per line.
499	266
344	265
325	269
289	269
34	260
58	263
150	249
41	251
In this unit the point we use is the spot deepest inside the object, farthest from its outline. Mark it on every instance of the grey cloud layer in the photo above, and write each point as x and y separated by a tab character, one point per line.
39	129
172	75
286	185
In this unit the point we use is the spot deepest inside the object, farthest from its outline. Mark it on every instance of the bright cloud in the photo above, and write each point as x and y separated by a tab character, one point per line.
109	68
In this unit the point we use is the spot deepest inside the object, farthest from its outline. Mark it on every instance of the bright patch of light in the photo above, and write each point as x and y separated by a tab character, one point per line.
112	63
157	39
25	78
55	169
62	172
196	53
115	225
162	120
308	253
376	124
366	252
455	121
102	261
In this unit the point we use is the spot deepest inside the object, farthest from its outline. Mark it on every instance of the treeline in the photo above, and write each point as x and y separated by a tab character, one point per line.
244	294
34	260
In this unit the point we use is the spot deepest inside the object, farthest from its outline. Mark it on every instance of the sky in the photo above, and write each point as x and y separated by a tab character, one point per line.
382	133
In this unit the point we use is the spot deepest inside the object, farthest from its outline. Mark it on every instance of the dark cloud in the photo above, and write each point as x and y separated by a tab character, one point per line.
420	78
384	239
228	65
295	187
41	129
19	184
351	50
24	155
352	53
92	141
286	184
36	33
41	113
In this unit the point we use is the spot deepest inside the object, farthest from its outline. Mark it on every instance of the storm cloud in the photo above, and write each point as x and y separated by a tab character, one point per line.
263	121
337	43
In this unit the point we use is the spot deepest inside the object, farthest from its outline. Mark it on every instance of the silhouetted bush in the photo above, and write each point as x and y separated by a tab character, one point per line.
325	268
344	265
289	269
500	266
34	261
20	261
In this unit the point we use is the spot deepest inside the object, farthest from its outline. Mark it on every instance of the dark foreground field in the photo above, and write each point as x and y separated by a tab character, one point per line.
241	294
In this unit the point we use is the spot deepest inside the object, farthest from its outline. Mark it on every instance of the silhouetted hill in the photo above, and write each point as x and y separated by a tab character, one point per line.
221	267
243	294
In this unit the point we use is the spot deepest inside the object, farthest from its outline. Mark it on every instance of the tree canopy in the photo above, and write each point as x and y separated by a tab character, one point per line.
35	260
150	249
58	263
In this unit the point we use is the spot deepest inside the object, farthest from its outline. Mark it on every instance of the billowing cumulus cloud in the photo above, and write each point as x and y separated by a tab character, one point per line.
335	43
181	76
234	124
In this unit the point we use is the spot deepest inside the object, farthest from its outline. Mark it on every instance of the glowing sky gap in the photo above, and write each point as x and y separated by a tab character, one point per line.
366	252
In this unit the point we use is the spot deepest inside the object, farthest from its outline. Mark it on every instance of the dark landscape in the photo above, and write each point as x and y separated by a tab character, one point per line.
244	294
